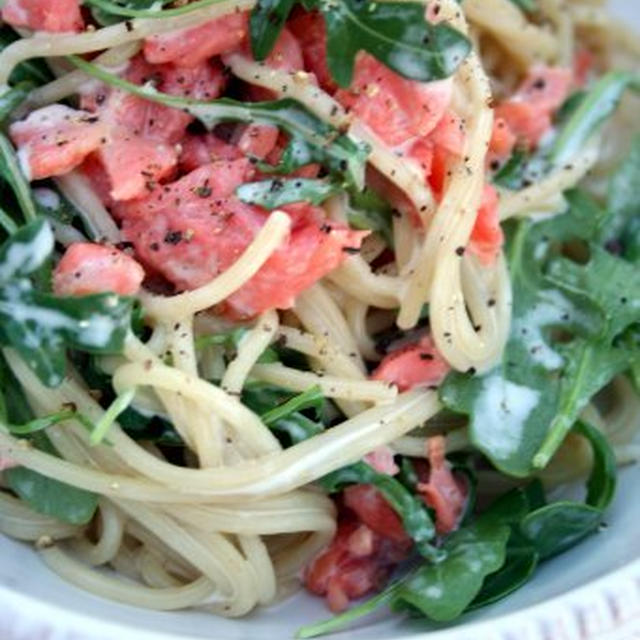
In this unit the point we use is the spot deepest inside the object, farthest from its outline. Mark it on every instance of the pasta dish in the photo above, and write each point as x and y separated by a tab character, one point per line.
323	294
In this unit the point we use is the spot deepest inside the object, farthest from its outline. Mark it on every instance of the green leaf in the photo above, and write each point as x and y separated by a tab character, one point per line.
275	193
523	409
510	175
368	211
12	98
41	326
520	564
267	20
443	591
594	109
415	517
559	526
397	34
16	409
10	171
590	366
26	251
606	282
317	140
49	496
601	485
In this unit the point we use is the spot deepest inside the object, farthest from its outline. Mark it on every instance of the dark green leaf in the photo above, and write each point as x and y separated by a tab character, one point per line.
444	590
10	171
316	140
12	98
275	193
510	175
397	34
41	326
266	22
559	526
367	210
601	485
520	563
16	409
49	496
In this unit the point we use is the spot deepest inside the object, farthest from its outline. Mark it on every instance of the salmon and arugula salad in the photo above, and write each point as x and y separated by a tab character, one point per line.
331	294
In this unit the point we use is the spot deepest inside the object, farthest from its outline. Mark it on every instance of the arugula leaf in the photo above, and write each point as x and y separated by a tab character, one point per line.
10	171
520	564
41	326
275	193
443	591
397	34
281	410
601	485
15	408
521	411
367	210
593	110
608	283
559	526
12	98
266	22
316	140
510	175
49	496
415	517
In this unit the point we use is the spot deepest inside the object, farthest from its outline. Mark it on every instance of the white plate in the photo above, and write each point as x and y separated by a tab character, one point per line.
591	592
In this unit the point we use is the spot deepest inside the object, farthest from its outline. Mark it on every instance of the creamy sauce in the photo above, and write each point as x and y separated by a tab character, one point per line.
553	308
25	257
503	408
48	198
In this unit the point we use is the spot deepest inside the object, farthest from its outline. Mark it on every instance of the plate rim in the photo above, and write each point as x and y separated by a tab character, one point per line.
605	608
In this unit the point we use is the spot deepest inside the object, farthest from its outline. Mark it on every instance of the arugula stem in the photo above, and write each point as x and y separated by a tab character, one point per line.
297	403
563	422
126	12
111	415
338	622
